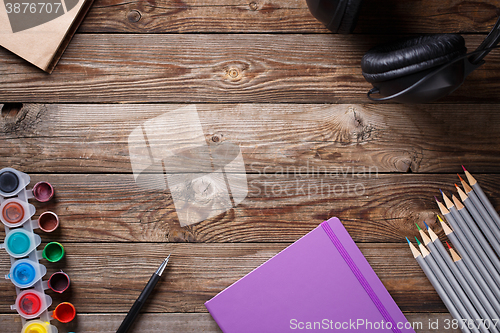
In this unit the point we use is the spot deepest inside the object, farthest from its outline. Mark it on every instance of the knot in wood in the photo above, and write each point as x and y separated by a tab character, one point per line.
216	138
253	5
134	16
233	73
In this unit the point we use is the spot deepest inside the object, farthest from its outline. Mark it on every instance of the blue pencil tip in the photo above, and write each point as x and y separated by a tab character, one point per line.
408	240
441	192
426	225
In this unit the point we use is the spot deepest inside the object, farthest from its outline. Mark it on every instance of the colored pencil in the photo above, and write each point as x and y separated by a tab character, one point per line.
467	276
479	206
436	284
458	287
492	234
471	288
471	245
482	197
445	283
478	237
480	249
477	270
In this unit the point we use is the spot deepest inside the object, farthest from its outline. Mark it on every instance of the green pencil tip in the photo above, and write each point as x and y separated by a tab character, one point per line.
418	242
417	226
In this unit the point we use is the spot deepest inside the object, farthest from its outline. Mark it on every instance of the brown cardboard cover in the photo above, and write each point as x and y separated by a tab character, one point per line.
40	38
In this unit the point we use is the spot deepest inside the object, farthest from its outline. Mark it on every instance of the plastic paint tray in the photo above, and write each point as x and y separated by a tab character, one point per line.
21	244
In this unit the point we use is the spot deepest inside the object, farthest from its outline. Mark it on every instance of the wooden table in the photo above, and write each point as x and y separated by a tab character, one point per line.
264	75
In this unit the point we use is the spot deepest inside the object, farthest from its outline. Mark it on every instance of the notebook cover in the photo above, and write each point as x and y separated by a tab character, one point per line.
40	37
309	286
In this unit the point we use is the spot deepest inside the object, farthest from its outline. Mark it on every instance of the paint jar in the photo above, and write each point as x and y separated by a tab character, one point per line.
19	243
59	282
12	182
53	251
64	312
48	221
38	326
14	212
31	303
24	273
43	191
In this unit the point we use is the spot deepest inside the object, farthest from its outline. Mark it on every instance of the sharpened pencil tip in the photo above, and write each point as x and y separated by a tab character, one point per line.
449	247
441	192
460	177
418	242
408	240
436	199
439	218
426	226
464	168
418	227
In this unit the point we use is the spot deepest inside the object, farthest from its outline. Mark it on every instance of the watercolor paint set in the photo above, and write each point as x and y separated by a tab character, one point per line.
21	243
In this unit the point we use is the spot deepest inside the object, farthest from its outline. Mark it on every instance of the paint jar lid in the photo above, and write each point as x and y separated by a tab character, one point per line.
19	243
64	312
53	251
43	191
48	221
38	326
14	212
59	282
24	273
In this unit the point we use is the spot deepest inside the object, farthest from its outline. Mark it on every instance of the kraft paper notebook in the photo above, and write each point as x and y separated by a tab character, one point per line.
39	31
321	282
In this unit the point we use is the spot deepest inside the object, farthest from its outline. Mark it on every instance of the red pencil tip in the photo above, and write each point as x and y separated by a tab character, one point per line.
464	168
460	177
456	185
448	245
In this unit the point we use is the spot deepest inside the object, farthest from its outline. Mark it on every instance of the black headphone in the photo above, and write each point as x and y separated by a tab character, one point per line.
415	70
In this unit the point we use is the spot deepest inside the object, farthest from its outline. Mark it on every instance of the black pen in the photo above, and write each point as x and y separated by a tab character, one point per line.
134	310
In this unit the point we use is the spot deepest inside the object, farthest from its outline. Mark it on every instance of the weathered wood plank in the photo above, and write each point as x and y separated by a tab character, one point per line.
214	68
107	278
389	138
187	323
290	16
383	208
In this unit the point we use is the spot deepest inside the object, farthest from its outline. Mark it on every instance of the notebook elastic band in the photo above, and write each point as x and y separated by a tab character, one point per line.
347	258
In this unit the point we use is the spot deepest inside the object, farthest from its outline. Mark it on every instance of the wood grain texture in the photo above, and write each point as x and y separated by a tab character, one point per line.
383	208
188	323
93	138
243	68
107	278
289	16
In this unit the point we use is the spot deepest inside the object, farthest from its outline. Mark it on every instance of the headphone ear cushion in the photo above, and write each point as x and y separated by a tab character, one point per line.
350	17
408	56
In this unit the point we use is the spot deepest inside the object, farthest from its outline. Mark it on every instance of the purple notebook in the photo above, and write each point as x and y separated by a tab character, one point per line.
321	282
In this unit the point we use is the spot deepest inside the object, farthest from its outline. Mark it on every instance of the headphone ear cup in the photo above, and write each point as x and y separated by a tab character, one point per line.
339	16
350	17
409	56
